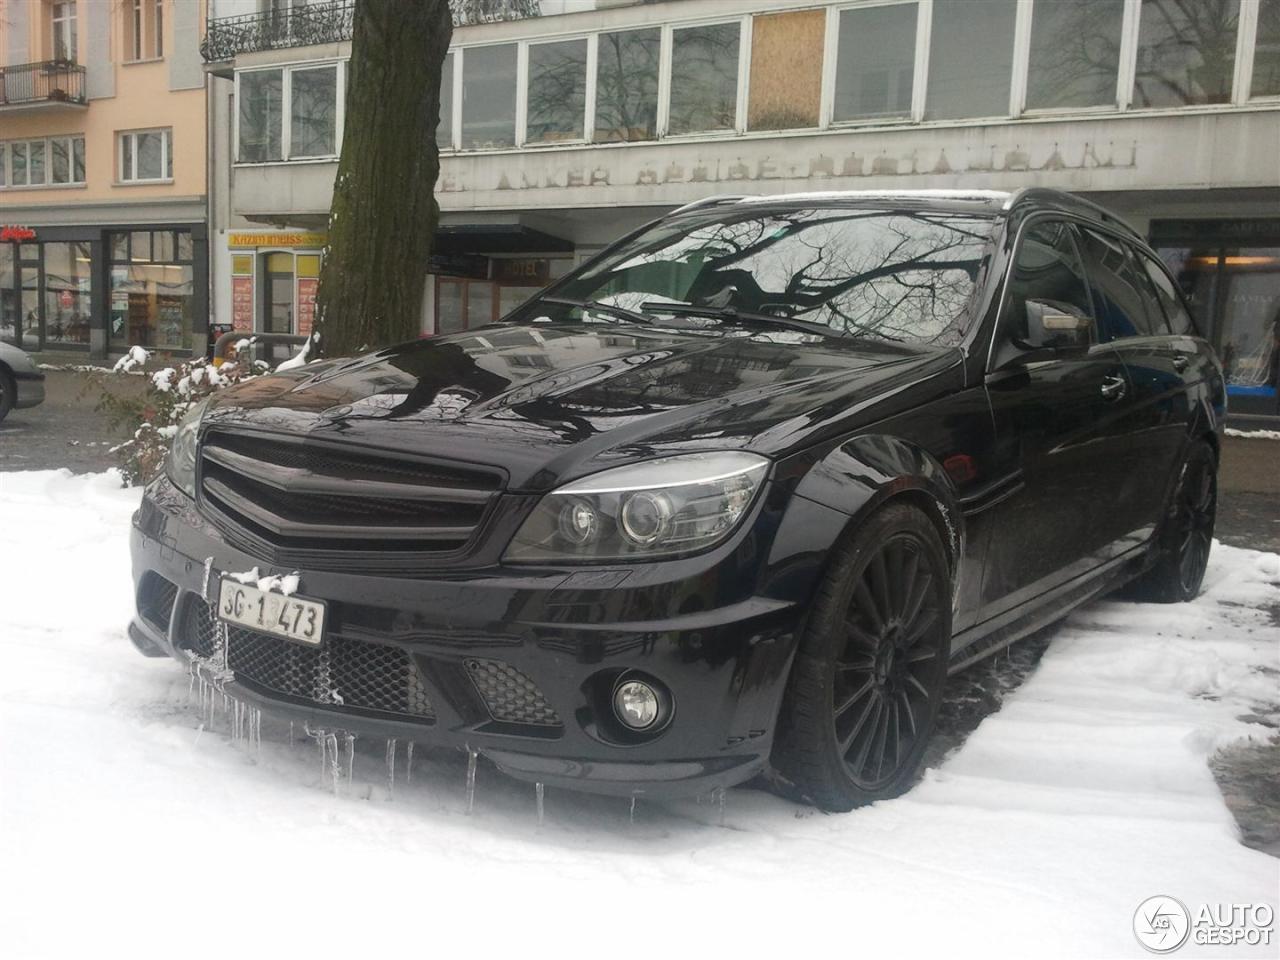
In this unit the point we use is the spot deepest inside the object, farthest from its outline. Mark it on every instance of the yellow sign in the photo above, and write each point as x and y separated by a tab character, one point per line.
276	240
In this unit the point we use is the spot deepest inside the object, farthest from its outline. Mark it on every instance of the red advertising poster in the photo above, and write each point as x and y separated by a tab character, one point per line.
242	304
306	304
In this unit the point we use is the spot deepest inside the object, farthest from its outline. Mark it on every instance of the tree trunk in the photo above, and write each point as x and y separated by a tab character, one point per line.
384	210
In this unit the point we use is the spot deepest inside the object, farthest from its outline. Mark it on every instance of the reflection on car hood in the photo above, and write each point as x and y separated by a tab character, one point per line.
549	402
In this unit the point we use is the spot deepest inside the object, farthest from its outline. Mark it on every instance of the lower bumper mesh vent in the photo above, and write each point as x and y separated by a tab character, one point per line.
509	695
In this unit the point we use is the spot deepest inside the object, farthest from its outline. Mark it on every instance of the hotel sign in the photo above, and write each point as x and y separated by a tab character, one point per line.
311	240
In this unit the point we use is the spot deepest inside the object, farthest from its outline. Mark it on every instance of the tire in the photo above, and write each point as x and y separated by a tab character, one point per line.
1186	535
8	392
864	690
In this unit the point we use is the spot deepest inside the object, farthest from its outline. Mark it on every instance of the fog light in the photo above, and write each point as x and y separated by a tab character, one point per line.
636	704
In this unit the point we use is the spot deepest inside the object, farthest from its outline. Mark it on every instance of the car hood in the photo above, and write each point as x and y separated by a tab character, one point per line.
548	402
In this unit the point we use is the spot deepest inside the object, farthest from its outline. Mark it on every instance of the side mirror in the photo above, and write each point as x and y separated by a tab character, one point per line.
1055	326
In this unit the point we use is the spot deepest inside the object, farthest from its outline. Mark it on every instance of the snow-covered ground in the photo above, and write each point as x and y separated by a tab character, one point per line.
125	830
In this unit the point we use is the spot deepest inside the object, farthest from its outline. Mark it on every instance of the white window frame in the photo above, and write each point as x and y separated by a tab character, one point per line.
130	138
522	90
1246	44
157	28
64	29
588	119
831	63
286	71
667	64
138	23
6	155
593	77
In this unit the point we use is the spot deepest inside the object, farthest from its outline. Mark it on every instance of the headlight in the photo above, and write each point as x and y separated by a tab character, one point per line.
181	462
652	509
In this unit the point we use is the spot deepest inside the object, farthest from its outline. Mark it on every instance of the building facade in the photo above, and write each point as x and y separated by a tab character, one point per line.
563	130
102	175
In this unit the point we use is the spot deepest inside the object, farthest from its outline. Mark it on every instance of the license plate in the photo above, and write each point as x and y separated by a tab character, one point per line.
293	618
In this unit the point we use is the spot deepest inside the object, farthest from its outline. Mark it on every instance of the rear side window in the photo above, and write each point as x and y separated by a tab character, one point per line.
1122	297
1047	269
1175	311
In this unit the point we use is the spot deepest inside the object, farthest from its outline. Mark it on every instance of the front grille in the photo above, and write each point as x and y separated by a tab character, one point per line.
342	673
155	600
509	695
316	504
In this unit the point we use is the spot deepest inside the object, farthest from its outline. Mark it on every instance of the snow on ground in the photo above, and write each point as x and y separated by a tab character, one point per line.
125	829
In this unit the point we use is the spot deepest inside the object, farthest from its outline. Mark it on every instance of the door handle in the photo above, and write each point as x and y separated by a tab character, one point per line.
1113	388
1180	362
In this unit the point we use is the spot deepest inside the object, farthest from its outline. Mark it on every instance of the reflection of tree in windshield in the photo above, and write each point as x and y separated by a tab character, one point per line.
889	276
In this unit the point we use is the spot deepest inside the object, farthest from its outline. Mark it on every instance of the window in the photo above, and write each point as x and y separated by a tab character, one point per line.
971	59
786	70
875	62
1119	294
146	156
1186	52
152	289
1175	310
261	106
135	29
627	85
1075	53
68	268
557	91
1266	51
63	16
489	97
1048	270
444	130
704	78
143	29
313	106
158	27
52	161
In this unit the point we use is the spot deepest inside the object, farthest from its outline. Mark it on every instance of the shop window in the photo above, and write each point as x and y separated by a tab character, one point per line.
145	156
278	293
704	78
557	97
152	289
489	97
1075	53
463	304
8	294
627	85
55	161
1266	51
1186	52
261	94
62	22
786	70
971	59
68	268
143	29
444	130
313	106
875	62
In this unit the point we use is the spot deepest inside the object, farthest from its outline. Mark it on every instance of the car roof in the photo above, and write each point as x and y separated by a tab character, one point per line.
991	202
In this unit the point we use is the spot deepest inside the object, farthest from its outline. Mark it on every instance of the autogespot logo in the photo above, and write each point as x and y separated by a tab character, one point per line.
1161	924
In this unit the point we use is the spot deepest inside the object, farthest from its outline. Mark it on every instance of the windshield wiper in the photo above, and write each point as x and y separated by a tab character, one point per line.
730	315
631	316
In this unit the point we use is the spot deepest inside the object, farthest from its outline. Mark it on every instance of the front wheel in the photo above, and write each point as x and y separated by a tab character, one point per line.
1182	551
864	690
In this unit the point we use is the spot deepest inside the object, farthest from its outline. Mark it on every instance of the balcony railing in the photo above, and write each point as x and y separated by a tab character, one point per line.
329	23
48	81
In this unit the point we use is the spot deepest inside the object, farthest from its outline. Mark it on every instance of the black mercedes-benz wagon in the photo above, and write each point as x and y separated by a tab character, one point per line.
731	498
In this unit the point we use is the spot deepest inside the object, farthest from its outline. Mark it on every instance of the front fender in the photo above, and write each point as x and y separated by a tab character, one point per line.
836	489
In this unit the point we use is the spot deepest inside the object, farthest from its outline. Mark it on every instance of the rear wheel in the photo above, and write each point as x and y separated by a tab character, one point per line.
864	691
1182	553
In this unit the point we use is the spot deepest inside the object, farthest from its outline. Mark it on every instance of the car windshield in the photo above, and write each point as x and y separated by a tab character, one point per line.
887	275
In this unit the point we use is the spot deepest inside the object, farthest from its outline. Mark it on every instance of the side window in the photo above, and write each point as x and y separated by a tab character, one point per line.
1125	307
1175	311
1047	269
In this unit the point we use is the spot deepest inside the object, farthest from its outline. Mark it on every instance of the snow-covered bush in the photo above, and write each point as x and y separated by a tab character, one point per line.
152	413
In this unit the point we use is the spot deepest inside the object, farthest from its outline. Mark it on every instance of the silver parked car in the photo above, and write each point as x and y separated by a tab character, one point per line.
21	382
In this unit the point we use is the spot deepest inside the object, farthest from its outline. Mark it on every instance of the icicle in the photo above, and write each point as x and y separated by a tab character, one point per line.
408	762
471	779
334	769
351	754
720	795
391	765
539	791
291	731
633	811
199	730
204	584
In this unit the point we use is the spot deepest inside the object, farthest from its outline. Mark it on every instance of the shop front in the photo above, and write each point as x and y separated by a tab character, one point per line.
274	276
472	290
1230	269
103	288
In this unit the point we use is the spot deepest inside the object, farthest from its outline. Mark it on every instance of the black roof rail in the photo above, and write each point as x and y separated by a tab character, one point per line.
1072	203
710	202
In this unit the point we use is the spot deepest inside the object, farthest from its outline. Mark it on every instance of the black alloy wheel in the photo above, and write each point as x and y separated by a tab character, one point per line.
865	688
1183	545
